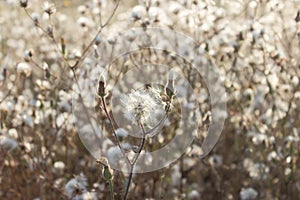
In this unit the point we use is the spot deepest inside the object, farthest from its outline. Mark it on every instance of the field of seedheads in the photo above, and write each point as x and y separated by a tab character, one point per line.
149	99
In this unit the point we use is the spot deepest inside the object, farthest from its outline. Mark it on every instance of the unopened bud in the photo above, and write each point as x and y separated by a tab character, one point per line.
135	149
35	17
4	73
107	173
297	19
63	46
96	52
170	86
169	90
28	55
98	40
50	31
101	87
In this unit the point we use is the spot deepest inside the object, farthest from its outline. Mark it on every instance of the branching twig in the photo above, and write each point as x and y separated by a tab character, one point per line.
135	160
84	53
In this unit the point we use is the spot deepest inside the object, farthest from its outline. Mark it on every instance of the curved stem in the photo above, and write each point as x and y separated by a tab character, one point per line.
135	160
111	189
113	130
157	127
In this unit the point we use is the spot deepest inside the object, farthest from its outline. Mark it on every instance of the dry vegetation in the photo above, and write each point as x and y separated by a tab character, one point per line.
51	58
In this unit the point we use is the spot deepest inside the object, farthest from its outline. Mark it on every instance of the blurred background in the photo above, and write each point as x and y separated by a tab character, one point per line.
255	45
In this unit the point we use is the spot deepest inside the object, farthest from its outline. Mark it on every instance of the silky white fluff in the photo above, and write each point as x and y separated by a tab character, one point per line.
248	193
25	68
142	106
76	186
8	144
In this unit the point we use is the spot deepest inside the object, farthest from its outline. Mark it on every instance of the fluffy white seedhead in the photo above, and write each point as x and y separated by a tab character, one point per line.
142	106
49	8
76	186
114	155
248	193
25	68
121	133
8	144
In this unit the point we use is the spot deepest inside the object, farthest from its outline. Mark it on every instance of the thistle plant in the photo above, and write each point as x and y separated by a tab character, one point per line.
139	107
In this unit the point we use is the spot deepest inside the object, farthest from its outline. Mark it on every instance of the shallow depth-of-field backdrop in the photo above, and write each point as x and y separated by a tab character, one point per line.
49	48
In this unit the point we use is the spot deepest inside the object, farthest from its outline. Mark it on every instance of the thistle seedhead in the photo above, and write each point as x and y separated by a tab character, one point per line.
23	3
141	105
49	8
76	185
28	55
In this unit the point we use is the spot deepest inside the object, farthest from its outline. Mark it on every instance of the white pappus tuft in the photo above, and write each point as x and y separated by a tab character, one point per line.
121	133
8	144
76	187
248	193
142	105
